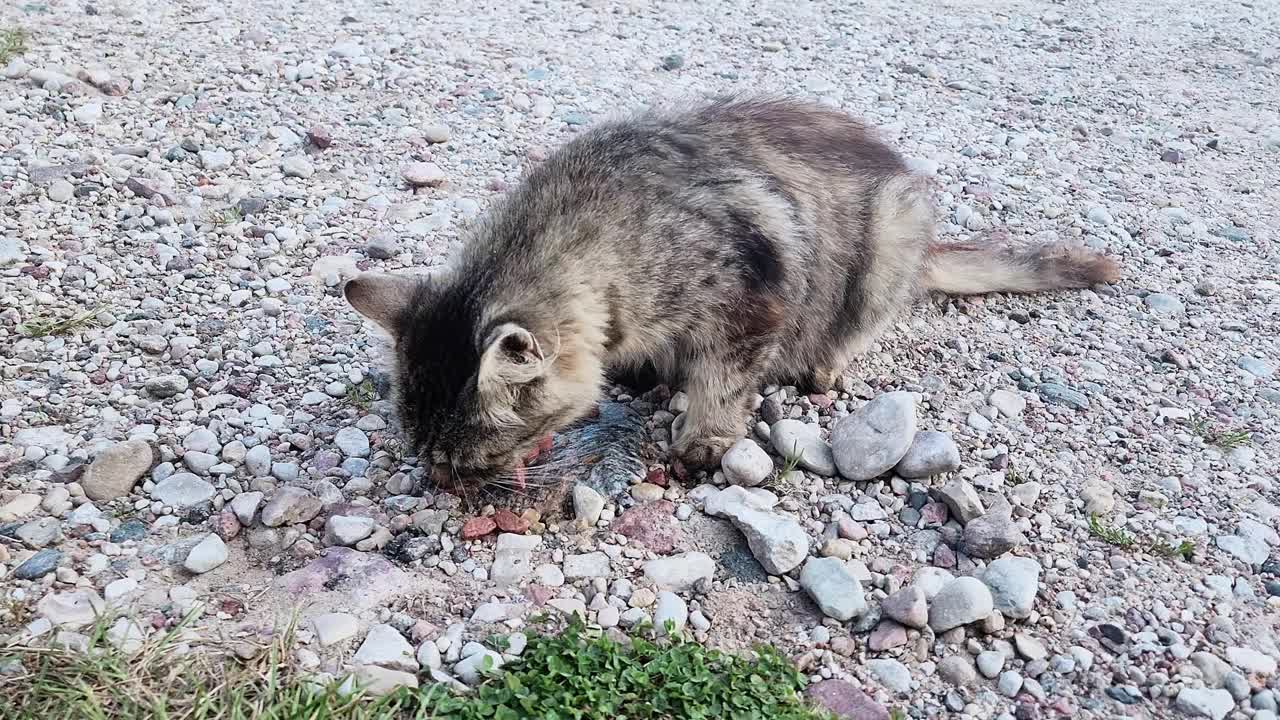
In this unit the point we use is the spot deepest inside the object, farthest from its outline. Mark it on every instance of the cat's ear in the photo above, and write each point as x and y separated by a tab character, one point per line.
512	356
383	298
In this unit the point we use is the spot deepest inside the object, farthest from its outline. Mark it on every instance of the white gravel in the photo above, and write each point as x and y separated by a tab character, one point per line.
183	189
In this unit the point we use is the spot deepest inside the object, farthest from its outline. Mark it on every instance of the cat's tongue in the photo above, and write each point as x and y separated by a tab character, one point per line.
543	446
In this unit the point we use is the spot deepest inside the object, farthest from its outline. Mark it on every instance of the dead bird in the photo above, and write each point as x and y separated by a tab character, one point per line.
726	246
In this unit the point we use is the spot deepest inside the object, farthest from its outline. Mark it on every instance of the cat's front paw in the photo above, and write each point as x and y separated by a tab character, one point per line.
704	453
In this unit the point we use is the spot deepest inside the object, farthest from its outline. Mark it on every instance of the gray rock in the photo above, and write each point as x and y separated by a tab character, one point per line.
931	580
872	440
61	191
961	499
590	565
990	663
347	529
201	440
794	439
435	133
289	506
512	557
1212	668
333	628
73	609
297	166
746	464
199	462
166	386
1203	702
992	535
1029	648
679	573
39	533
669	607
908	606
1013	582
1059	394
352	442
38	565
1251	662
429	656
116	470
836	591
423	174
183	490
1256	367
777	542
1010	683
382	246
1164	304
868	511
1251	551
1009	403
473	668
931	453
962	601
735	499
245	506
208	554
893	675
258	461
386	647
587	505
957	670
214	160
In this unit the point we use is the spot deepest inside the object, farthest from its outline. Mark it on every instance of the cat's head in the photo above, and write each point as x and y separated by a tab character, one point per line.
476	389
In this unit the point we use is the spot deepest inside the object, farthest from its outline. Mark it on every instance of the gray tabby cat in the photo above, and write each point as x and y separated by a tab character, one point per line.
739	243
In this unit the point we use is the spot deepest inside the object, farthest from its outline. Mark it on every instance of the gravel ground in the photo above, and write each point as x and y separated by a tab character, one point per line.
192	420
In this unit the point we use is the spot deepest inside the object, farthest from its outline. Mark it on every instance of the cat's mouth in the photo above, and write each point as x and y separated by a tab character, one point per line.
448	477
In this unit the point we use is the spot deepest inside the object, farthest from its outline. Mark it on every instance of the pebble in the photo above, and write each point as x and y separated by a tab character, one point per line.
352	442
669	607
794	439
990	663
589	565
297	166
423	174
957	670
871	441
962	601
183	490
746	464
587	505
680	573
1203	702
908	606
209	553
1009	403
992	535
347	530
335	627
115	471
836	591
38	565
931	453
778	542
289	506
1013	582
893	675
961	500
386	647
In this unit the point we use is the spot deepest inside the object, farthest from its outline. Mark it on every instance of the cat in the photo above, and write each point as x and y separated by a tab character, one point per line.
733	244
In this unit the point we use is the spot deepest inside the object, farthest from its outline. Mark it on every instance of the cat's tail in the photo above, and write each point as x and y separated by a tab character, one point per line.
974	269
